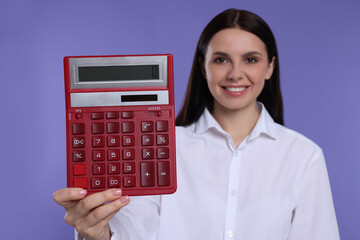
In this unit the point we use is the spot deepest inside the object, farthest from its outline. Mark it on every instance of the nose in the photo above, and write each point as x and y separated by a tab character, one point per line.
235	72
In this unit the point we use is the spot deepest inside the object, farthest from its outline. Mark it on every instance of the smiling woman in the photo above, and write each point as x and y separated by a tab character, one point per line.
198	96
236	67
241	174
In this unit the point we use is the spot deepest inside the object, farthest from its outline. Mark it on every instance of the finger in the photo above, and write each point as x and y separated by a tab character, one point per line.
97	199
106	212
97	220
68	197
125	200
76	213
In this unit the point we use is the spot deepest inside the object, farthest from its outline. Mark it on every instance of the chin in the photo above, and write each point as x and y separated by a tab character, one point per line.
234	106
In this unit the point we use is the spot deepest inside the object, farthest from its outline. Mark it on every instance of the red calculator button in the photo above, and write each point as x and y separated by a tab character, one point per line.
114	168
79	169
98	155
99	169
129	181
97	128
129	168
163	153
78	142
163	173
113	154
98	182
162	139
147	140
112	115
161	126
147	153
127	114
97	115
114	182
78	115
127	127
112	127
128	141
147	126
128	154
113	141
78	128
98	141
81	182
147	174
79	156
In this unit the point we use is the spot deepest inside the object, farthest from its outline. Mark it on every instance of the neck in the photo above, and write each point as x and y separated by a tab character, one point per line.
237	123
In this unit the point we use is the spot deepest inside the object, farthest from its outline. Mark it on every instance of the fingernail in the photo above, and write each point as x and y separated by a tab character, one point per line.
124	199
116	192
82	192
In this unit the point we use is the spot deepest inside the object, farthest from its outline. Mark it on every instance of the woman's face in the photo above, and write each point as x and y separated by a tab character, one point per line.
236	66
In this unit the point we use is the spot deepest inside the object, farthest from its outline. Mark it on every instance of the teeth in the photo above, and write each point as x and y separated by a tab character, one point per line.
235	89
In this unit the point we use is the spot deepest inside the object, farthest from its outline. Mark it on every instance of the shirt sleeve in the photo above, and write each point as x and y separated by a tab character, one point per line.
137	221
314	217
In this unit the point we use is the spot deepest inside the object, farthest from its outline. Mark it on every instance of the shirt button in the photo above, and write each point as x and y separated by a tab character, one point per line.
230	234
232	193
236	154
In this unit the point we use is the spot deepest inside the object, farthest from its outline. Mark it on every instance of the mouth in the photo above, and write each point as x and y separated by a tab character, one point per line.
235	91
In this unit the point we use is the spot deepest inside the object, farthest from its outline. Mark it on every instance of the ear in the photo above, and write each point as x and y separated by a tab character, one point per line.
202	66
270	69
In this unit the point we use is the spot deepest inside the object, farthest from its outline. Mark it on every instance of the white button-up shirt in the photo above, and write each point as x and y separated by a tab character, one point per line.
273	186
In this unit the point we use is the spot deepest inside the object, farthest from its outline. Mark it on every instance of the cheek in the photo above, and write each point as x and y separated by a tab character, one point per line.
258	75
211	77
215	74
211	85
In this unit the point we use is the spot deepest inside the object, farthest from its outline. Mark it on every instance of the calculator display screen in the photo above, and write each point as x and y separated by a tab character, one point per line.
118	73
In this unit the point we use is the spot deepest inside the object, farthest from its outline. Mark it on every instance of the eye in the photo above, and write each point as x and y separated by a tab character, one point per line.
220	60
251	60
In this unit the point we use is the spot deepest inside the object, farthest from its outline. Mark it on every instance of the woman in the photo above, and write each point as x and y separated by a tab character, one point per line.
241	174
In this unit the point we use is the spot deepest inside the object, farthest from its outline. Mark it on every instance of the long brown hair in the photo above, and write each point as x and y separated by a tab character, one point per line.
198	95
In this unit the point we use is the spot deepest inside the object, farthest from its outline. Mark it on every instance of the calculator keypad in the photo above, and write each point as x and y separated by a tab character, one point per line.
117	149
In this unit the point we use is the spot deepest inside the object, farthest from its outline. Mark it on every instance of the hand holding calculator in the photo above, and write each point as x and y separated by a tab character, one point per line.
120	124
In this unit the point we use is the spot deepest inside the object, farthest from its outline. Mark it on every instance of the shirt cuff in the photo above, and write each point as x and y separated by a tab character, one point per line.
114	236
78	236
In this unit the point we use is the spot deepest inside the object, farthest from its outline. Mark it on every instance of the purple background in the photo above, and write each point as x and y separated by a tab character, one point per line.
319	57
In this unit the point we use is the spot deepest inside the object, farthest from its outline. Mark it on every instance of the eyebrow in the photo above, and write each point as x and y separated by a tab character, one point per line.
244	55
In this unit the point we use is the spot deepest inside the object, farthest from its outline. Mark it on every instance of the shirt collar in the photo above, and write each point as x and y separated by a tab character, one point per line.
265	124
205	122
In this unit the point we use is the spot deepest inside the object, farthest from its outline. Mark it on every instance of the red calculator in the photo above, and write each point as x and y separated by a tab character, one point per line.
120	123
